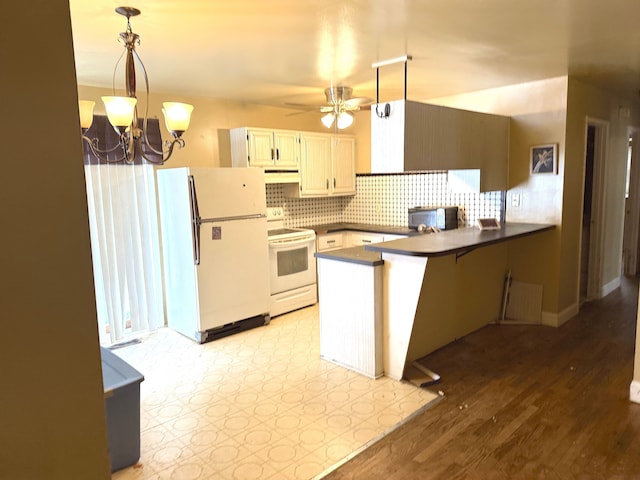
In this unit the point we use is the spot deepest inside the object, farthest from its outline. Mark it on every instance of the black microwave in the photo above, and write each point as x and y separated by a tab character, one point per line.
442	218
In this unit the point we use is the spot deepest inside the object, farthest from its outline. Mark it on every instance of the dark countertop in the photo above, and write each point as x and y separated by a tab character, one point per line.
353	255
460	241
361	227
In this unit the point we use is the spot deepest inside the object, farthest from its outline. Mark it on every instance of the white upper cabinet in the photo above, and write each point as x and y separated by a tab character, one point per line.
270	149
315	165
327	166
418	137
343	165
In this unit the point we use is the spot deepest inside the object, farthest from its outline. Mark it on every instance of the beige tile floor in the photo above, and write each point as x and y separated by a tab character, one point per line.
260	404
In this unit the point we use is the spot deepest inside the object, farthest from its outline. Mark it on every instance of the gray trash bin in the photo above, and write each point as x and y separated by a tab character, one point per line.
122	402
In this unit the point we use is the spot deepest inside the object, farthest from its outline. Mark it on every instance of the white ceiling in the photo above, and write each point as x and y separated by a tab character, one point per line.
277	51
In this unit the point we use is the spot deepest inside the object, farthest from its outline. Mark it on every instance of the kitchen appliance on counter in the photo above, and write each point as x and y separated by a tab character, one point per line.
213	229
429	219
292	265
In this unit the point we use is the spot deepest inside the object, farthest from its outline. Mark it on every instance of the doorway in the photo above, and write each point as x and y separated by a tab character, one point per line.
592	211
631	240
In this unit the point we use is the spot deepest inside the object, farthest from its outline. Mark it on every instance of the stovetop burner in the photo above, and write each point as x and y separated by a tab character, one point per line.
280	231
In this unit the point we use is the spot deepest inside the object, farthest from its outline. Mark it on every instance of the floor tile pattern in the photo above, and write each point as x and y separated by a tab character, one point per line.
260	404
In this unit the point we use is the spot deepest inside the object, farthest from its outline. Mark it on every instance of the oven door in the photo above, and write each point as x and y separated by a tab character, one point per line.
291	263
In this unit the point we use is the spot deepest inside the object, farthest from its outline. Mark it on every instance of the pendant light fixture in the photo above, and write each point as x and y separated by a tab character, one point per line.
122	110
343	119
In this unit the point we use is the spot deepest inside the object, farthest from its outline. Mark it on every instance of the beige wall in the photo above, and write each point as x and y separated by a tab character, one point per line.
52	419
555	111
585	102
538	112
211	118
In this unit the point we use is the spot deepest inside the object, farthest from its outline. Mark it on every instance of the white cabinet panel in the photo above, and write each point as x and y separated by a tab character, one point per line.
330	241
343	165
357	239
273	150
327	166
315	166
422	137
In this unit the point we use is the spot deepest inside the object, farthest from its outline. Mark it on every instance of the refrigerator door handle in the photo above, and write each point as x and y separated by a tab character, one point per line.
196	221
226	219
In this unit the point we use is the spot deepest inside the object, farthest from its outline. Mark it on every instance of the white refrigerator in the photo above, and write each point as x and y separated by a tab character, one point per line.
215	251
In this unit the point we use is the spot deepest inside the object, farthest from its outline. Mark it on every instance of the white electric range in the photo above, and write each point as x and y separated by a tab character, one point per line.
292	264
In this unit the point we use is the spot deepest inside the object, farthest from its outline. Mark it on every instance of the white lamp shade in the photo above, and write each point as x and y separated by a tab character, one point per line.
120	110
344	120
177	116
327	120
86	113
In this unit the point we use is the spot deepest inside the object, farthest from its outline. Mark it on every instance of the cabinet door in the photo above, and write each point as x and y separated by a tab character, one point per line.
315	164
287	149
330	241
261	149
343	164
357	239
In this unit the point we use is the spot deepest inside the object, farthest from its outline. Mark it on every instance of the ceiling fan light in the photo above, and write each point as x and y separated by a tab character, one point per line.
345	120
86	113
327	120
177	116
120	110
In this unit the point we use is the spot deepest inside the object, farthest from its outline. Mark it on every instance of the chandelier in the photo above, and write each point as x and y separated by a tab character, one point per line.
122	111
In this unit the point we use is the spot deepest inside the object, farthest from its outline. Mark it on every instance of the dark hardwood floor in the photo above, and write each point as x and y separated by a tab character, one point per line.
525	402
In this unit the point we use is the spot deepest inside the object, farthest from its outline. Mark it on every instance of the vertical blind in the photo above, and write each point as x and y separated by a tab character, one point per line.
125	243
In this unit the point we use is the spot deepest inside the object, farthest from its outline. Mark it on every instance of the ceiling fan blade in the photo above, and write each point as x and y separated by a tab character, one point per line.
327	108
357	102
303	106
300	112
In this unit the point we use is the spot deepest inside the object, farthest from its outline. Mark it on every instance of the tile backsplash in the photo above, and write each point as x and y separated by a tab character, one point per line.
385	199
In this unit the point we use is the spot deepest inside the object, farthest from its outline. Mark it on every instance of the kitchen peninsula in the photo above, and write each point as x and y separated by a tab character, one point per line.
432	289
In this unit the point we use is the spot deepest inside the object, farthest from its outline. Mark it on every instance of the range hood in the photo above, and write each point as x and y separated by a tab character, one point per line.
281	177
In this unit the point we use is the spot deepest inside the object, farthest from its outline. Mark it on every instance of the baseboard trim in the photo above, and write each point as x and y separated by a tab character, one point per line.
559	319
610	287
634	391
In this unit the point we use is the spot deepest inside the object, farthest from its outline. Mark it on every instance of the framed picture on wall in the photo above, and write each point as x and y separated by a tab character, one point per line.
544	159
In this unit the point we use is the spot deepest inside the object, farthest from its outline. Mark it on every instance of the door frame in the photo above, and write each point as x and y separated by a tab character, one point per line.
596	239
632	206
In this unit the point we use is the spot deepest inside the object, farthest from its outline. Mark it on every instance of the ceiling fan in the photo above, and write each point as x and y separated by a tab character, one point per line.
339	106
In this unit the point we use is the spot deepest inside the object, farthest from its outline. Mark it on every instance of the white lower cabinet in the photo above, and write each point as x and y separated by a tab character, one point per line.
351	238
357	239
330	241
